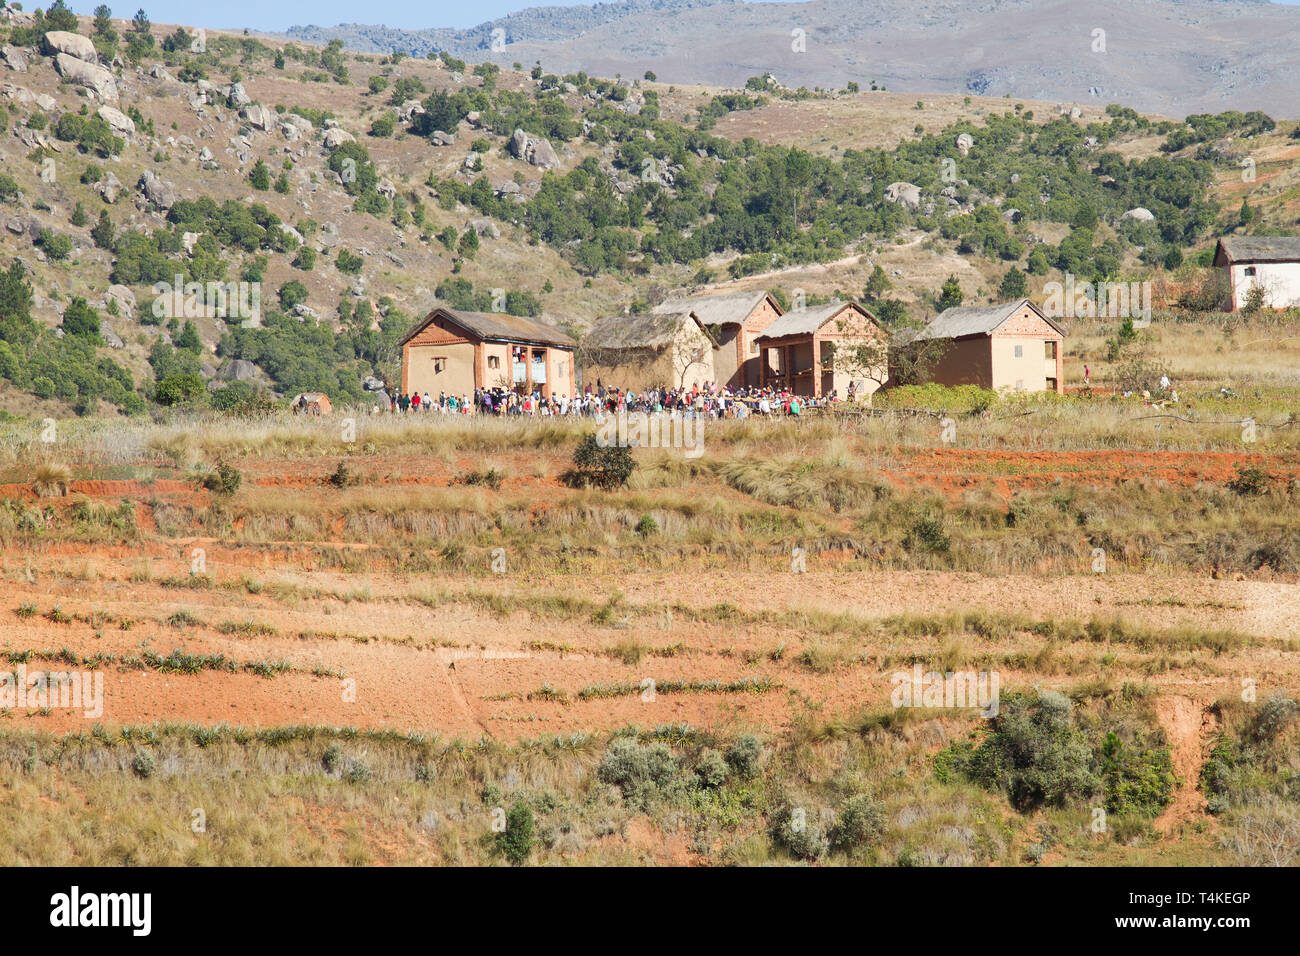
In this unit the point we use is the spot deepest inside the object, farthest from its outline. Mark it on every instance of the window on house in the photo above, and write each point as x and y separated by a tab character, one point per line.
1250	270
753	348
439	365
1020	351
1049	349
562	369
494	361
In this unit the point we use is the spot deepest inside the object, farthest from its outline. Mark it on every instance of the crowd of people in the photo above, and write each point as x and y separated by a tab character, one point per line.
709	399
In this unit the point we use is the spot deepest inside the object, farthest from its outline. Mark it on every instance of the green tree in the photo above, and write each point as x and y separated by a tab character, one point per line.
81	320
1013	285
950	296
260	177
516	840
292	293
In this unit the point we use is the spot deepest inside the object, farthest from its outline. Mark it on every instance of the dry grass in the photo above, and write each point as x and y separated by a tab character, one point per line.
51	481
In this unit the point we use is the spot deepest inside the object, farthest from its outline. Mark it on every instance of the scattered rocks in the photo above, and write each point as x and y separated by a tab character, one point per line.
439	138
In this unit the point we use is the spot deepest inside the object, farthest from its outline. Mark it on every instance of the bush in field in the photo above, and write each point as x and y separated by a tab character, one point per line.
745	754
516	841
794	830
711	769
1035	754
599	466
1138	780
859	823
641	771
1278	712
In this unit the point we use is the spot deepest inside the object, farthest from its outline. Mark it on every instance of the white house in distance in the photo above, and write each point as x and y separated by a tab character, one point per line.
1271	263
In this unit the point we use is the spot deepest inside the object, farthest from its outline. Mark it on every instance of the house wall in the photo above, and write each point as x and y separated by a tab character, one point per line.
726	363
748	370
685	371
419	368
639	369
1032	370
966	362
1280	280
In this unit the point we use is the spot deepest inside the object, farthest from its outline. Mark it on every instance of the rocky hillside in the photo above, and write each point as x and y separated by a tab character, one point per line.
146	166
1168	56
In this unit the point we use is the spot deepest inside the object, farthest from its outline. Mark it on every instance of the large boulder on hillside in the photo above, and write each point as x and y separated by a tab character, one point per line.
159	193
236	96
73	44
905	194
1140	213
238	370
95	78
258	117
533	150
485	227
122	124
337	137
124	298
110	337
109	188
15	58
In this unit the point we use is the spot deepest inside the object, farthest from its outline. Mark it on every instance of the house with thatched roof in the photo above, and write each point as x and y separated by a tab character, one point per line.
1260	271
656	349
734	320
1011	345
821	349
455	351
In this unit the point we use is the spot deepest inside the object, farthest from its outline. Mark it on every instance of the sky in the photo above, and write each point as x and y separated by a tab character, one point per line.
278	15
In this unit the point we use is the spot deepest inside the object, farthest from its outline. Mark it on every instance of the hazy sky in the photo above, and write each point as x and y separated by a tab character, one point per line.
280	14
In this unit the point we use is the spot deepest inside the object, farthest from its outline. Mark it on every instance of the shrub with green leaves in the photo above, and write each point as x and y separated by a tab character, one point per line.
516	841
599	466
641	771
1034	753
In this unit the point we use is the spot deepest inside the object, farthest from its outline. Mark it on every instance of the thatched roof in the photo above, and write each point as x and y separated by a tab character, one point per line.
1257	249
495	327
650	330
967	320
809	320
712	310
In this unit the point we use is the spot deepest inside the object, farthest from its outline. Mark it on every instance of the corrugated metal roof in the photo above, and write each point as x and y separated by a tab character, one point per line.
731	308
649	330
804	321
961	321
1257	249
496	326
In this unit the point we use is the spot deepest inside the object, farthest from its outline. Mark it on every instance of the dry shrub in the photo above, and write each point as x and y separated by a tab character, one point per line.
51	481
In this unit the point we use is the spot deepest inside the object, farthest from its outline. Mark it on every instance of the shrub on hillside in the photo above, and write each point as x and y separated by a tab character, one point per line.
599	466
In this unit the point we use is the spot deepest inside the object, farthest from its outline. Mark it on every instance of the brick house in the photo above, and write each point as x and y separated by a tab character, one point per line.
798	351
455	351
1013	345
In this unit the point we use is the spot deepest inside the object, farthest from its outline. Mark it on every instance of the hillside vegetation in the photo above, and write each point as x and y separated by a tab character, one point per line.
357	191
